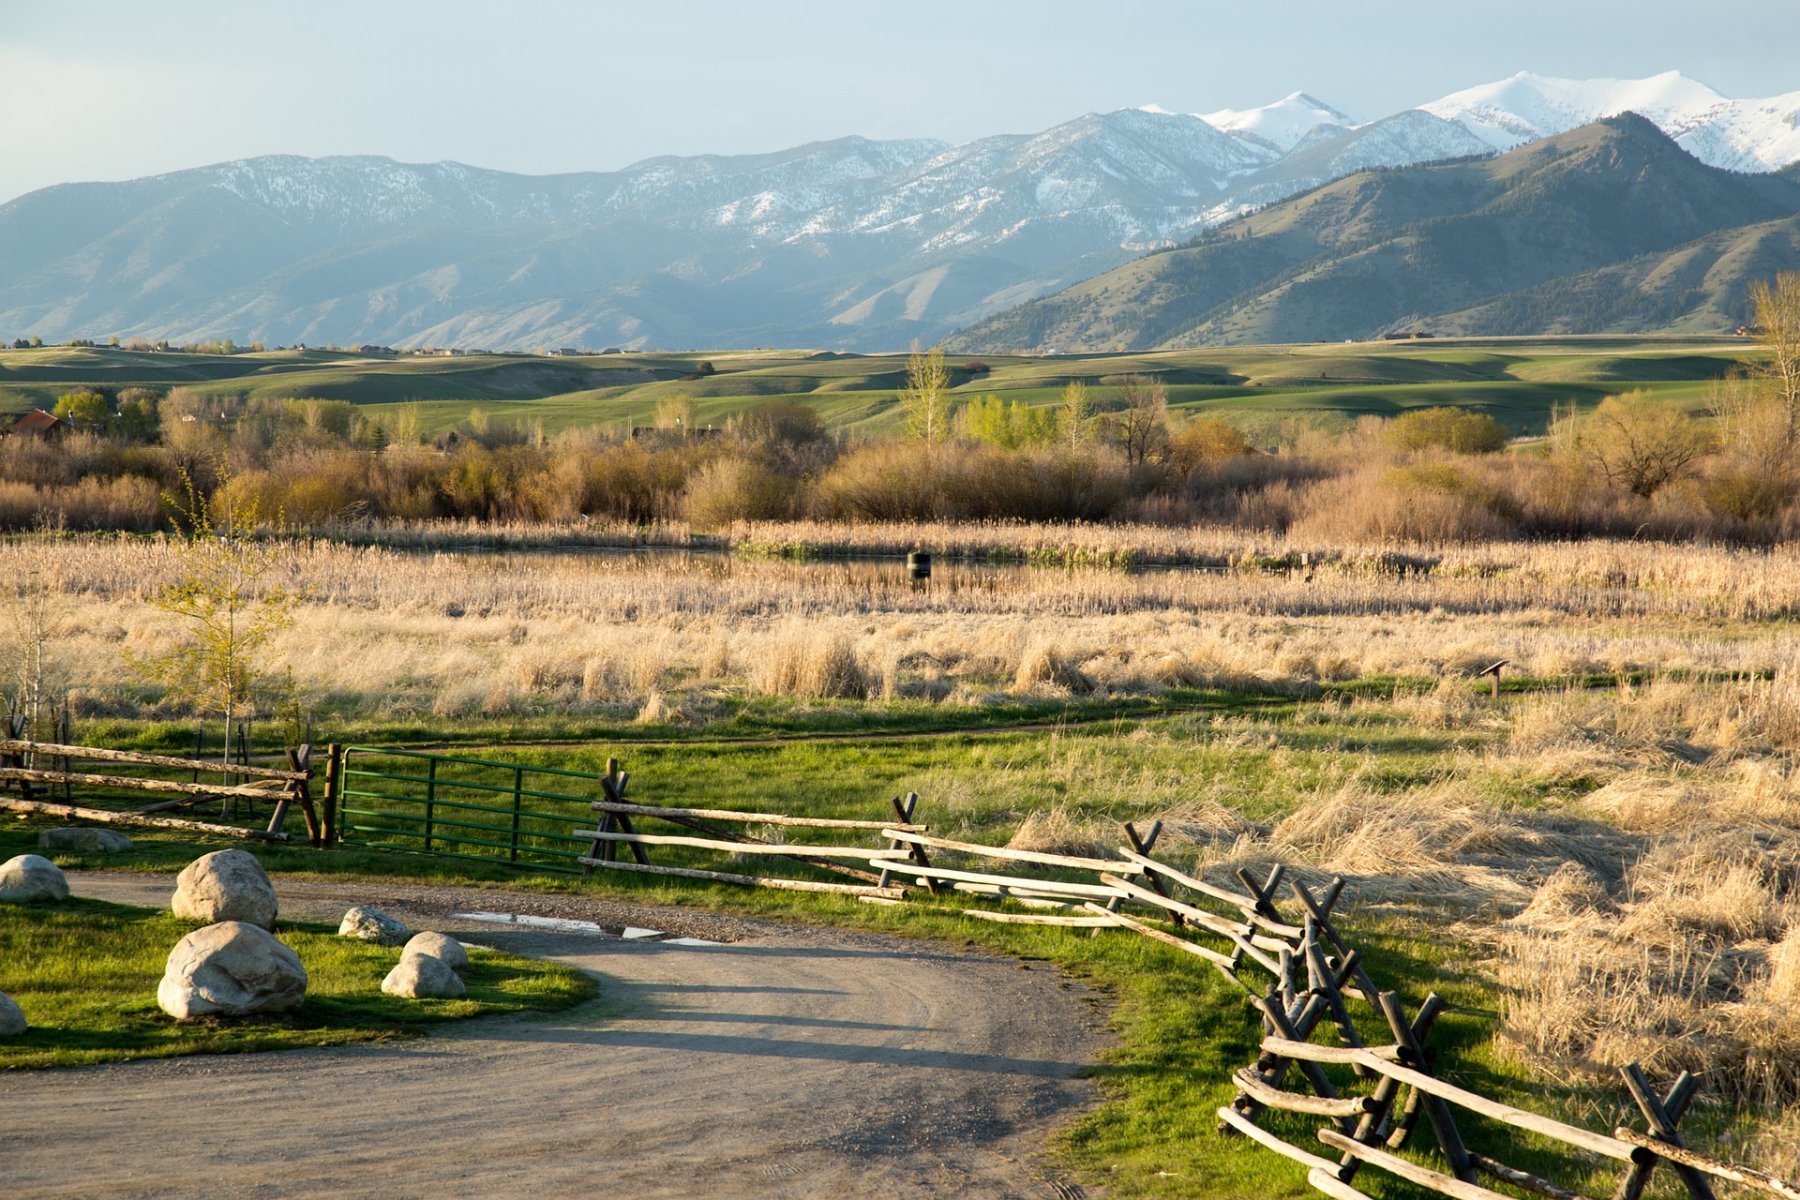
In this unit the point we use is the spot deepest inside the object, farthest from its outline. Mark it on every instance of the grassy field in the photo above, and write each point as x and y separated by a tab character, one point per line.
1515	380
1601	865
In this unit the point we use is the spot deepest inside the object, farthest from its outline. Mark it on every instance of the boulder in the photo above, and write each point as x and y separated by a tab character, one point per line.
84	839
439	945
32	879
423	975
226	885
12	1019
232	969
373	925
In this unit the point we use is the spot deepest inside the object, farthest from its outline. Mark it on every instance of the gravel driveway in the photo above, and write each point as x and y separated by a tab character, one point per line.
791	1061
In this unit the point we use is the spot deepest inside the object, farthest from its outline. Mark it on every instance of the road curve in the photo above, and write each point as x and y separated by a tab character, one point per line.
794	1062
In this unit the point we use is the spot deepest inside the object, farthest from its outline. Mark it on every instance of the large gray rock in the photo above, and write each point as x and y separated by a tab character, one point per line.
84	839
12	1019
373	925
439	945
226	885
32	879
420	975
232	969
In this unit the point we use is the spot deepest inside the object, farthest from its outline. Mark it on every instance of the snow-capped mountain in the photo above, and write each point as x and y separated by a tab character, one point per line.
1739	135
848	243
1282	124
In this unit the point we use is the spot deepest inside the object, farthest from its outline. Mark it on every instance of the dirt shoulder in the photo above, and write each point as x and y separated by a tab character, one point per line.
789	1062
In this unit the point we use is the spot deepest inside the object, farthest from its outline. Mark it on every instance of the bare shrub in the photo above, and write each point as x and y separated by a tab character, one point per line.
737	489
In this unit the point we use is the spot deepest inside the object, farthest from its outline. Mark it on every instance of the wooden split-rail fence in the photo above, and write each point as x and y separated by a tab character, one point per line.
35	770
1274	937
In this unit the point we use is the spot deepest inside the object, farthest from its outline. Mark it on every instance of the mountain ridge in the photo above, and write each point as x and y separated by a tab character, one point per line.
1374	252
849	242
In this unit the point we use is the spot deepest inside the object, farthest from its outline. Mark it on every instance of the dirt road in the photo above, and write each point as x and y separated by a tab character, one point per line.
791	1062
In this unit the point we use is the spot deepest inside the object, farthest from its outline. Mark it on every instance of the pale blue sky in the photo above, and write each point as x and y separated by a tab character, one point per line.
115	89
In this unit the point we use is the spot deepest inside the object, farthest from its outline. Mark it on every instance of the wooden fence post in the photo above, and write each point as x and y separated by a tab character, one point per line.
334	786
1662	1116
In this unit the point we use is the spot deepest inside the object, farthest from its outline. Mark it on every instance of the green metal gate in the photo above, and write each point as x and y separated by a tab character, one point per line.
492	812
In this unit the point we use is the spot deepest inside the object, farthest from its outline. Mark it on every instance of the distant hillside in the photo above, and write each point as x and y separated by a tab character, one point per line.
1646	236
848	244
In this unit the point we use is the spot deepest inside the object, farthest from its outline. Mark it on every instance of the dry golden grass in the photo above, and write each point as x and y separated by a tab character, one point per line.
457	634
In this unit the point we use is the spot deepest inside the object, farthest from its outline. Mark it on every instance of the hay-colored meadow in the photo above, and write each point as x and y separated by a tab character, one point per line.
1618	846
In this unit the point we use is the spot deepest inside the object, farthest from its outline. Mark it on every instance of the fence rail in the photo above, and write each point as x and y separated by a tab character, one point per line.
1274	938
276	786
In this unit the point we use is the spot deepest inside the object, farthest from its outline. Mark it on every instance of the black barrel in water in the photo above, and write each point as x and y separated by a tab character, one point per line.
918	565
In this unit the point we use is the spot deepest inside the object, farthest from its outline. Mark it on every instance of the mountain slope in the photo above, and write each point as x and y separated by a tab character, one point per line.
850	243
1380	250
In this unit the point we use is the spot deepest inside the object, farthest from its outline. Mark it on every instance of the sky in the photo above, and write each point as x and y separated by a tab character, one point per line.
108	89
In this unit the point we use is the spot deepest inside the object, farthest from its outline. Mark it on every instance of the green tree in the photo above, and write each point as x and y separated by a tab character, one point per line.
138	417
926	397
230	602
85	410
1008	424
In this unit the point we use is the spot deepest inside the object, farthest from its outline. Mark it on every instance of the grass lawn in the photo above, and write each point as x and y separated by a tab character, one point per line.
85	974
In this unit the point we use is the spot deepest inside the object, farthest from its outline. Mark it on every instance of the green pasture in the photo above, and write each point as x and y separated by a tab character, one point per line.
1518	381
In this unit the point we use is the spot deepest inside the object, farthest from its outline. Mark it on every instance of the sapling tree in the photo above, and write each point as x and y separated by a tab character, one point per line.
926	397
230	602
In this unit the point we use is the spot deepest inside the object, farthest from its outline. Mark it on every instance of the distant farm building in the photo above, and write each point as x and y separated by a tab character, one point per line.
37	423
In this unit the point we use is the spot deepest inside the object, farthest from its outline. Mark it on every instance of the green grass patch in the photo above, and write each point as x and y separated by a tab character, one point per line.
85	973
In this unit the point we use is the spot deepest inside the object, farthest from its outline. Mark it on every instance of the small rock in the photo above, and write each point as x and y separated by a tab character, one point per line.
12	1018
373	925
32	879
439	945
85	839
423	975
226	885
232	969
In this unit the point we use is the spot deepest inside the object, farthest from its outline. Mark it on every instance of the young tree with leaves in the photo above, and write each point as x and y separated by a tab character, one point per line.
1074	416
230	602
1775	312
926	397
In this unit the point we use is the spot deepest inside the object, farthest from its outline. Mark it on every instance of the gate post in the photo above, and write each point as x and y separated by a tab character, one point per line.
334	786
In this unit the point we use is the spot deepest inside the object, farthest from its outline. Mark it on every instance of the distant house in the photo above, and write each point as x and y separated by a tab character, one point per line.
38	423
565	352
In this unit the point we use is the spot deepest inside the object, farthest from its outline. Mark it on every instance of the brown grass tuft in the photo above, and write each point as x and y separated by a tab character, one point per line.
809	664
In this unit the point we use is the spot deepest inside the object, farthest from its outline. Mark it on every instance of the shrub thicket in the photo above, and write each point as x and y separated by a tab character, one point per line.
1635	466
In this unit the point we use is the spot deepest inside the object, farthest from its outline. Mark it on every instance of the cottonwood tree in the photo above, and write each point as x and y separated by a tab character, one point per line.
1074	416
229	600
926	397
1143	423
1775	312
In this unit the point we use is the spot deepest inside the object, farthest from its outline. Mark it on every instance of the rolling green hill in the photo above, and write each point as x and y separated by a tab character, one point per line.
1515	380
1610	227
